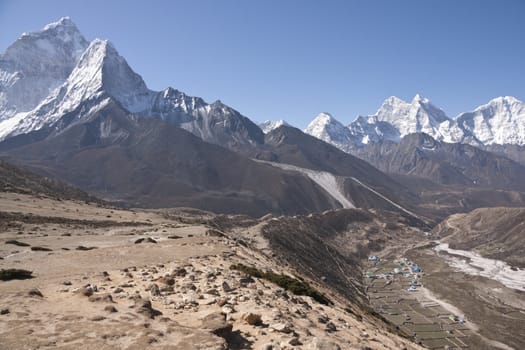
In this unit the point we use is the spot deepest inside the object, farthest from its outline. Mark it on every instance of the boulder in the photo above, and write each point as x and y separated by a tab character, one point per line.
330	327
252	319
145	308
110	308
322	344
170	281
154	290
227	309
179	272
282	327
214	233
35	293
244	281
217	324
226	287
107	298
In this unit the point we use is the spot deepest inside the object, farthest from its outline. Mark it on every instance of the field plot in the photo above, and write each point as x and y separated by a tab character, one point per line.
396	290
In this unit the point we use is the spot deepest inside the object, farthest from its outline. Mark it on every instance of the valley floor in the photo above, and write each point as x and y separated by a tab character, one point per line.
444	306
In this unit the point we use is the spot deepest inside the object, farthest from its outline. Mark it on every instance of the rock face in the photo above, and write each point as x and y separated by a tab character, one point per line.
445	163
355	177
164	166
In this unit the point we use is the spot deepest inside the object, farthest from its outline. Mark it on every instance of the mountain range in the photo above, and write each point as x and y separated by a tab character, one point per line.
75	110
77	77
104	131
500	121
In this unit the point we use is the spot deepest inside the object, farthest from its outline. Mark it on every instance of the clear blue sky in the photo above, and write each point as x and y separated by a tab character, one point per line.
294	58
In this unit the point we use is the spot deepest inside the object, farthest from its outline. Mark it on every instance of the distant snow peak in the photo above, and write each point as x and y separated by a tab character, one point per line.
325	127
417	116
500	121
270	125
62	22
49	73
419	99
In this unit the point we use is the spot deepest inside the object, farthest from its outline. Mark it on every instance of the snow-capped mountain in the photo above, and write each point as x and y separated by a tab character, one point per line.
270	125
35	65
365	130
90	74
327	128
55	72
99	74
408	118
396	118
418	116
501	121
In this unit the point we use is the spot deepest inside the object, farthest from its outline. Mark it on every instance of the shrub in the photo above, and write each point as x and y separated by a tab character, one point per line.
145	240
81	247
41	249
18	243
291	284
15	274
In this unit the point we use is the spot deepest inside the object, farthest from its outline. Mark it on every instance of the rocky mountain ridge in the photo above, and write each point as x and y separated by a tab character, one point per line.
444	163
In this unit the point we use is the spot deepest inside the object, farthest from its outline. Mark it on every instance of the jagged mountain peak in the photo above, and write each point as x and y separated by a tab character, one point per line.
394	100
397	107
270	125
325	117
64	29
99	73
501	102
100	52
62	22
420	99
325	127
420	115
500	121
102	68
36	64
61	41
171	92
321	123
